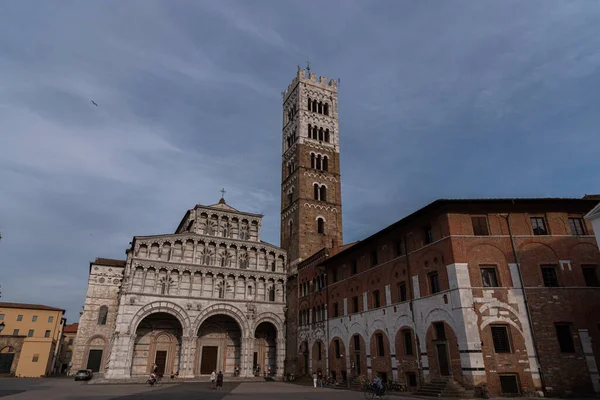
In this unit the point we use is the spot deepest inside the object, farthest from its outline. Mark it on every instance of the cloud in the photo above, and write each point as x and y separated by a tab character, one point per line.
458	99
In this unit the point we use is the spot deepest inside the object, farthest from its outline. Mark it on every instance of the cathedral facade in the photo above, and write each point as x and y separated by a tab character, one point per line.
209	297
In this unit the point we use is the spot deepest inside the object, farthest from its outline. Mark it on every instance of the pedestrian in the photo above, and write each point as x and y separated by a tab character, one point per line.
315	380
320	379
213	377
220	381
154	368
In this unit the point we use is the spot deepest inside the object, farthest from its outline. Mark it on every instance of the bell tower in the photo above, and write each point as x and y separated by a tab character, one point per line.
311	198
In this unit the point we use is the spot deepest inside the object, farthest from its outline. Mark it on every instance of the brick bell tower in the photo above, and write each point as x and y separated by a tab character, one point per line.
311	198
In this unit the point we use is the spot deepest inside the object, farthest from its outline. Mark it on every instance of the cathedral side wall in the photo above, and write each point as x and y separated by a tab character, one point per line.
104	284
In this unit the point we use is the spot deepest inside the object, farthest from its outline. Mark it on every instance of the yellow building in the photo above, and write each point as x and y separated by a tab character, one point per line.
30	339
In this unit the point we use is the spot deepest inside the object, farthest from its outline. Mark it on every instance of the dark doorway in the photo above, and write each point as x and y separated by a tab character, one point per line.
305	363
6	361
255	361
94	360
161	362
209	359
442	354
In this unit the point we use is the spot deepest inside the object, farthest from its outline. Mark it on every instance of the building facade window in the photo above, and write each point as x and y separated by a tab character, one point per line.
590	274
402	291
16	332
354	268
319	351
67	354
19	318
34	318
35	358
337	349
336	311
47	334
398	248
549	276
374	258
434	282
70	341
1	317
408	348
440	330
356	339
500	338
538	225
320	225
565	338
355	308
50	319
577	226
30	333
480	226
380	347
488	276
376	299
428	232
102	315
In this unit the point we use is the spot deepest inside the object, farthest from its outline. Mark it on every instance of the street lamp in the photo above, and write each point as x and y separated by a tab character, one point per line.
2	325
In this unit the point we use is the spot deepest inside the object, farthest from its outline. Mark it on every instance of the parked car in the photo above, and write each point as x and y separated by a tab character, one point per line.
84	375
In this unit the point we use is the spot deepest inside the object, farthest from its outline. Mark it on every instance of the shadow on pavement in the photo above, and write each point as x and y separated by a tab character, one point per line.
181	391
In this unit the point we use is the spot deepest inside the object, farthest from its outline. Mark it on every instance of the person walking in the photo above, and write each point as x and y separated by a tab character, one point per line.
315	380
220	381
213	377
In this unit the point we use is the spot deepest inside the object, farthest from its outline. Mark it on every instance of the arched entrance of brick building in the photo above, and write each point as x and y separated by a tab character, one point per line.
7	355
158	341
219	346
265	349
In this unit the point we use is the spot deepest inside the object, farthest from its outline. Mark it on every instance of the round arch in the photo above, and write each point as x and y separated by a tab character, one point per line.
161	307
223	309
273	319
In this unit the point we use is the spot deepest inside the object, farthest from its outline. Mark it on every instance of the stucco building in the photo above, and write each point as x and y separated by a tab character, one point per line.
208	297
67	344
502	292
30	340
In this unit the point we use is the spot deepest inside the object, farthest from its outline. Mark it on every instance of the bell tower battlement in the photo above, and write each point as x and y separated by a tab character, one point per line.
311	200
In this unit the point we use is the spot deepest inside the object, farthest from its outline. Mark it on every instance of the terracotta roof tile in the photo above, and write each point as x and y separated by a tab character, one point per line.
29	306
109	261
71	328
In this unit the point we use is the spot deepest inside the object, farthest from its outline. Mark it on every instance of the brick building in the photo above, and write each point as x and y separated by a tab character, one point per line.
502	292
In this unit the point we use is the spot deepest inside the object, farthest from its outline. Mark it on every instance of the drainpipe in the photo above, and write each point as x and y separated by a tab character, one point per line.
412	311
533	338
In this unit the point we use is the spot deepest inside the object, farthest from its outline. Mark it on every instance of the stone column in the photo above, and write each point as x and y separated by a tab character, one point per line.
234	286
368	352
187	356
280	356
588	351
247	352
121	357
393	357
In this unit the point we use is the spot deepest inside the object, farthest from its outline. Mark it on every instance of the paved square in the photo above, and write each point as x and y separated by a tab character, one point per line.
66	389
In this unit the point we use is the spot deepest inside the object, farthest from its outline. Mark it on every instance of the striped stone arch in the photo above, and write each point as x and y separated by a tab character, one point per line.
222	309
336	331
272	318
357	329
166	307
378	324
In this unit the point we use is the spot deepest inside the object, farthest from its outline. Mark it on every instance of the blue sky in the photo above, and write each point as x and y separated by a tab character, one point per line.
437	99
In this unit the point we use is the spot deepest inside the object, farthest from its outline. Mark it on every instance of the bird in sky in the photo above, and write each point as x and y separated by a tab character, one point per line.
94	103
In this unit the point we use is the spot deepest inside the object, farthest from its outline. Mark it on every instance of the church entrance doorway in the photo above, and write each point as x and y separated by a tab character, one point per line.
7	356
265	346
94	360
158	339
209	359
219	346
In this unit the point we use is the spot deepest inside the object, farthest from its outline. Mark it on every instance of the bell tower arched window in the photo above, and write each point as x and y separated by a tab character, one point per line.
314	106
312	160
325	164
327	135
309	104
326	109
316	190
320	108
321	134
102	315
319	162
320	225
323	193
309	130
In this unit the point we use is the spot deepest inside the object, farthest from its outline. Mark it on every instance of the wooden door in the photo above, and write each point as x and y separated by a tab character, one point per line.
442	354
209	359
161	362
6	360
94	360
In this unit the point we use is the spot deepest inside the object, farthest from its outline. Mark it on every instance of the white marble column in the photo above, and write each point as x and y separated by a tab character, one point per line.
186	358
280	356
121	357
